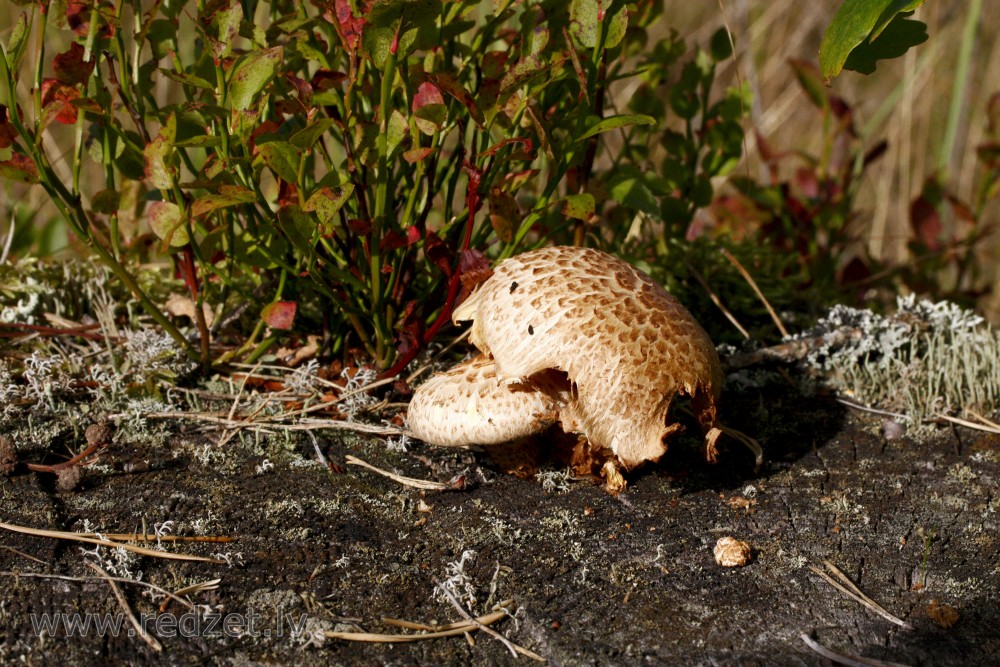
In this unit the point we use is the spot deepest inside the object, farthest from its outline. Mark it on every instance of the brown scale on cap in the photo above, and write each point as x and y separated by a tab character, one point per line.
608	346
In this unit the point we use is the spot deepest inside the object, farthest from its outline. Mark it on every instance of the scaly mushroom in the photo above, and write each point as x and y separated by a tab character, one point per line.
578	333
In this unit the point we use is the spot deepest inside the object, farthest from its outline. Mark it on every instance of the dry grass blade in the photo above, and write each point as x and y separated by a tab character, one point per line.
216	418
849	660
964	422
76	537
717	301
988	422
452	630
63	577
405	481
511	646
140	537
22	554
760	295
123	603
847	587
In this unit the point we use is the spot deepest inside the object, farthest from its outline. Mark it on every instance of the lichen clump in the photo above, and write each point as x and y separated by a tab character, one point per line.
927	358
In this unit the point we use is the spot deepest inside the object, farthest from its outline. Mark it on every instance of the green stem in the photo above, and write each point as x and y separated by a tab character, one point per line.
956	105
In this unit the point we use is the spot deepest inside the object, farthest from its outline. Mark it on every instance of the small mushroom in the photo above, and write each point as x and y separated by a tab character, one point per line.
467	405
578	335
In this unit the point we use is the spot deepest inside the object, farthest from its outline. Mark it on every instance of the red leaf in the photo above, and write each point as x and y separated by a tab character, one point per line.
417	154
411	330
70	67
265	128
19	168
926	222
7	132
475	269
450	85
472	198
349	27
280	314
325	79
56	99
523	155
428	107
438	253
360	227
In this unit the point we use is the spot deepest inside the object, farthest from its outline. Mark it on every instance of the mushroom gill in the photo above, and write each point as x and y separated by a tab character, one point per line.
624	345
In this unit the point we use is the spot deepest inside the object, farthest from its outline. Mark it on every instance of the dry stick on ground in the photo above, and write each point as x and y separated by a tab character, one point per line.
140	537
405	481
215	418
849	660
123	603
988	427
511	646
153	587
760	295
22	554
450	630
76	537
847	587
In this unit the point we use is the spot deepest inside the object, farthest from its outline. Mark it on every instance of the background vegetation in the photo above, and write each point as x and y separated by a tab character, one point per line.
329	167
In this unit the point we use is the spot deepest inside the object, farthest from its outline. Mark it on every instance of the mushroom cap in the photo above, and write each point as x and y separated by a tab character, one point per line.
468	405
626	346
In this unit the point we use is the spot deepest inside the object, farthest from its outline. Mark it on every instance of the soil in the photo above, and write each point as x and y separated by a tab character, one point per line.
597	579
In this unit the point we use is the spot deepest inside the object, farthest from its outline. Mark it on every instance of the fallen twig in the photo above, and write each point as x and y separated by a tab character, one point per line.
78	537
405	481
847	587
451	630
964	422
64	577
849	660
123	603
511	646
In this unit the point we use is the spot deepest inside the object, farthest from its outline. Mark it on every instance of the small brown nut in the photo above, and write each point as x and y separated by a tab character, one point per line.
730	552
67	479
8	459
99	433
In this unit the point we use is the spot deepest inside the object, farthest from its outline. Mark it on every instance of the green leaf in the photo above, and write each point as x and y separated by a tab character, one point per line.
895	40
282	158
326	202
187	79
630	191
160	156
202	141
15	45
167	221
227	24
585	19
505	216
855	22
307	136
251	74
398	129
105	201
229	195
614	122
580	206
415	20
811	81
